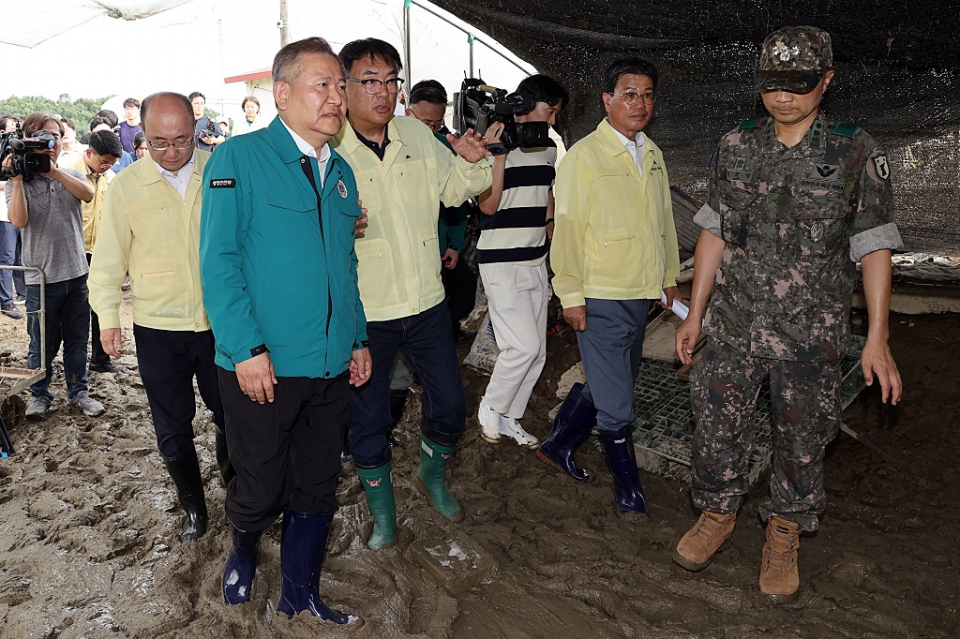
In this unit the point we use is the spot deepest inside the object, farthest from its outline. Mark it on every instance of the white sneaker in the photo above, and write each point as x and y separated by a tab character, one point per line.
511	428
489	422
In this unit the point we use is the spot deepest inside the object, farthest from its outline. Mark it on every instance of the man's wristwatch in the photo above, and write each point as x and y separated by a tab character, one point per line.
259	350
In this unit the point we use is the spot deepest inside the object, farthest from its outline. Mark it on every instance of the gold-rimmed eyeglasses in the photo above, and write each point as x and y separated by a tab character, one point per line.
630	98
179	145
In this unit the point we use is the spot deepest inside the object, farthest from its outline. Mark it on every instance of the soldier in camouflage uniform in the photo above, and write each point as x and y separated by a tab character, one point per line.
794	202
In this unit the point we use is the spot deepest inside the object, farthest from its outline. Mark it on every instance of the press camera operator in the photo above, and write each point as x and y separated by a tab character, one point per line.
48	209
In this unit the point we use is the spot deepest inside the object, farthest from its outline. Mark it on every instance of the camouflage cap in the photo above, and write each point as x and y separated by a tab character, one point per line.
794	59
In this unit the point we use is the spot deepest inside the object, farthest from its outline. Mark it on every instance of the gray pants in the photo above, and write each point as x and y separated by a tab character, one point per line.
611	348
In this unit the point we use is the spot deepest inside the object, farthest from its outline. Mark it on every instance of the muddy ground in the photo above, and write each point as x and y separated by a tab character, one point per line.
89	525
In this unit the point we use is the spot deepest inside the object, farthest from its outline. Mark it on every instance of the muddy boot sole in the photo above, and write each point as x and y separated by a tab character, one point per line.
489	440
692	566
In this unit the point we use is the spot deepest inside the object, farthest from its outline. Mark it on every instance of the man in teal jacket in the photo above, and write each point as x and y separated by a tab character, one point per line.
280	286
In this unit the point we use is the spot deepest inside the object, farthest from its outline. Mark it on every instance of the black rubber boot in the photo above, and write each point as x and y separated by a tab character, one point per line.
398	401
622	457
185	472
223	459
572	425
303	544
241	567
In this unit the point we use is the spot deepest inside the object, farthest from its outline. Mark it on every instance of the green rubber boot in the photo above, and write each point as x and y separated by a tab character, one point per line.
433	477
378	488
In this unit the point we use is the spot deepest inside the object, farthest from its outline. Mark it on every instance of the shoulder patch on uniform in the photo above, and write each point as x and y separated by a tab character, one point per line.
225	183
845	129
881	167
748	124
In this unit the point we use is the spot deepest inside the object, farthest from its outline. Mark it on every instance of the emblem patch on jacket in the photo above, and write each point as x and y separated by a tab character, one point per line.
223	184
342	189
883	169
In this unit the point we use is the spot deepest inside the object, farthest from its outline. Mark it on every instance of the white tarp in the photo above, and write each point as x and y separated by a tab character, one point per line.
28	23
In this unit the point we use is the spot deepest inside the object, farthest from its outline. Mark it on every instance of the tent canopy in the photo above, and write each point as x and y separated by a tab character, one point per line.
896	77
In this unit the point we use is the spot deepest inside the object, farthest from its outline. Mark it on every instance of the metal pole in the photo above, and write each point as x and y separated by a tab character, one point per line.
470	40
407	3
284	24
406	43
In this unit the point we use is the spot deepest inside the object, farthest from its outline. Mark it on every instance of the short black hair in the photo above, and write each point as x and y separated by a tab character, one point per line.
196	94
628	66
105	143
109	116
138	140
428	91
369	48
67	122
98	120
250	98
543	88
129	102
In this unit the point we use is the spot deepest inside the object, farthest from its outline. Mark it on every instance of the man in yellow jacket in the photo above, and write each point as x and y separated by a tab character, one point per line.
614	252
94	162
151	228
403	173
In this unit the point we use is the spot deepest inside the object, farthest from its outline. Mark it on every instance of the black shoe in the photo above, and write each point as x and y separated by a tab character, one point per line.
185	472
464	337
10	310
102	367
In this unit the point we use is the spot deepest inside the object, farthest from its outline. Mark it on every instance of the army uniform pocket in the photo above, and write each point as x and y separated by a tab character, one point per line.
736	201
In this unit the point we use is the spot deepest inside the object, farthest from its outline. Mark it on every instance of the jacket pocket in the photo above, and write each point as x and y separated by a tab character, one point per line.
819	223
379	285
736	203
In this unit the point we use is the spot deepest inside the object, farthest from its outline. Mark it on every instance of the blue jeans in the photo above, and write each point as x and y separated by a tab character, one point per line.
8	251
611	348
67	321
427	342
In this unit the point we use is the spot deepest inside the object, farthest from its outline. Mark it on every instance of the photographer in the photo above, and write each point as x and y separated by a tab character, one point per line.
512	254
48	209
207	132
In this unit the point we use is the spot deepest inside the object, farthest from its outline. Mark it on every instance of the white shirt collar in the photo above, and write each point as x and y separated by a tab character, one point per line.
306	148
181	178
637	142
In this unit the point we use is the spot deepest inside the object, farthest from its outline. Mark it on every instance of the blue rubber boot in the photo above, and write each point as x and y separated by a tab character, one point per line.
571	426
622	457
378	488
241	567
433	477
303	544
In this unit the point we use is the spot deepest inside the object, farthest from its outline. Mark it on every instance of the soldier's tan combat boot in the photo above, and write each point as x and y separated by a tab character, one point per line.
709	535
779	572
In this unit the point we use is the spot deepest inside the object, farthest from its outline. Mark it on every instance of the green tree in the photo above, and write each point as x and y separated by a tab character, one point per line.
80	110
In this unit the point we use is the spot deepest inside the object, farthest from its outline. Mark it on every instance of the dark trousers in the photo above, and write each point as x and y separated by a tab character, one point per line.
427	342
19	281
460	290
67	321
8	253
168	361
286	453
97	354
611	348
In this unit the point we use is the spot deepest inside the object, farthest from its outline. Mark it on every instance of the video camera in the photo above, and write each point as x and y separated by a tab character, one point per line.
26	161
479	105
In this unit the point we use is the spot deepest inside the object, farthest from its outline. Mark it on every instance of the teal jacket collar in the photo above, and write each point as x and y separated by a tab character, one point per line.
278	138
